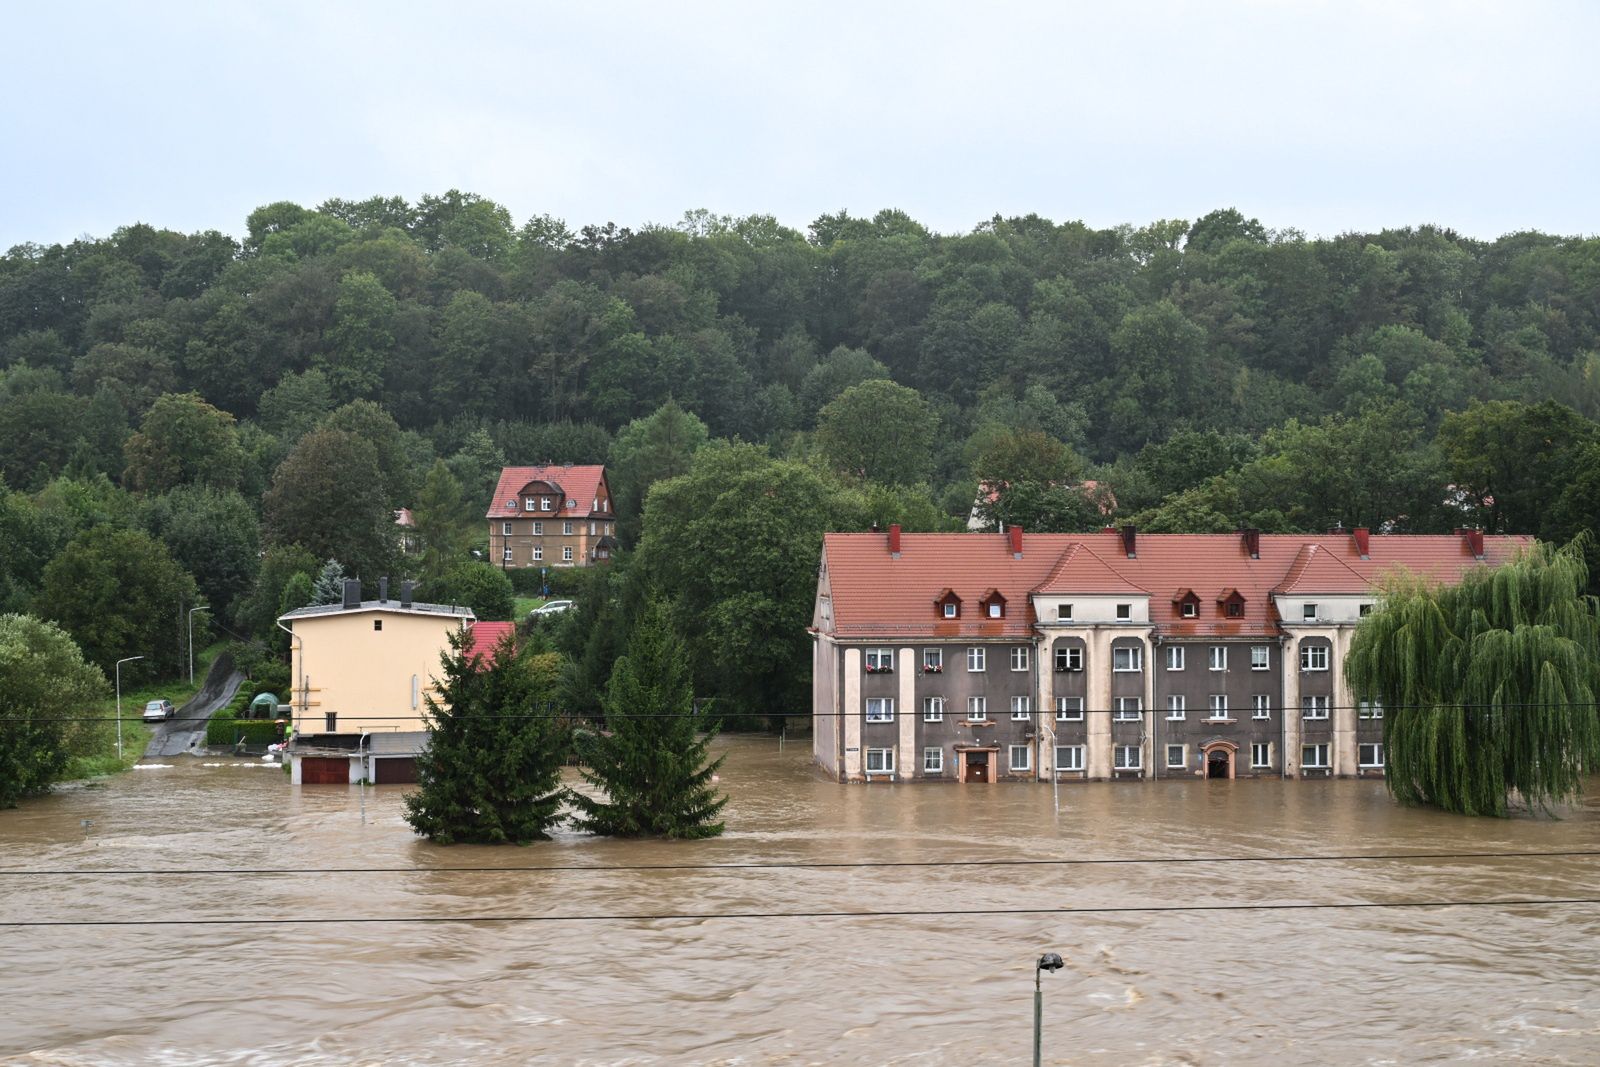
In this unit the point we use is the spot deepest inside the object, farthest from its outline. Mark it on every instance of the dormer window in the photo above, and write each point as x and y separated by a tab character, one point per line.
1308	612
545	503
527	505
950	609
1189	609
1187	603
1124	612
947	605
1064	611
1231	603
993	605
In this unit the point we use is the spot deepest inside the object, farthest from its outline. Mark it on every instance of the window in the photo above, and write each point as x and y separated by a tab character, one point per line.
538	529
1314	657
975	659
377	624
1019	658
880	661
1219	657
1127	709
1370	755
1261	755
1175	757
949	609
996	609
933	761
538	552
1069	709
1189	609
572	503
1127	658
566	527
1308	612
880	761
1260	657
530	505
544	504
977	708
933	709
505	529
1069	757
331	721
1234	609
1314	707
1364	610
1124	612
1219	705
505	553
1313	757
933	660
1176	707
1064	611
880	709
1069	659
1021	757
1174	657
566	554
1126	758
1369	709
1021	709
1261	706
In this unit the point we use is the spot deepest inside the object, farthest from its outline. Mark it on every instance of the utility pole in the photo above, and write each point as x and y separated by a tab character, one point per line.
201	607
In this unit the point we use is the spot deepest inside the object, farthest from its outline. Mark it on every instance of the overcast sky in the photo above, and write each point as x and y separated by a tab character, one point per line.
1321	116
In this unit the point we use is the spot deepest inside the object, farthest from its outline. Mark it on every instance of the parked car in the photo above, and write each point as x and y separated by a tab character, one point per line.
552	607
159	711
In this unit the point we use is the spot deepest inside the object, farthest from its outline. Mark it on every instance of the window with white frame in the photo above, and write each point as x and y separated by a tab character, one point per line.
1127	658
1370	755
1174	657
933	709
1019	658
933	660
949	609
1069	659
977	708
1126	758
933	761
538	553
1189	609
505	554
545	504
996	609
1021	757
1064	611
1127	709
1069	757
530	505
1260	657
1218	706
1124	612
1069	709
880	709
1021	709
1308	612
1314	757
566	554
1261	754
880	761
1314	707
1176	757
505	529
1219	657
1261	706
1313	657
880	660
977	657
1176	706
566	527
1369	709
538	529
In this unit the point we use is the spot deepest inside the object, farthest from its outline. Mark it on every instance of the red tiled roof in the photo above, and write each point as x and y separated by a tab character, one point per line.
485	637
580	483
874	595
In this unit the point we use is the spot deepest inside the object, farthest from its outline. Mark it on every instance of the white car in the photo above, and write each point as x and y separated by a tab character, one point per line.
552	607
159	711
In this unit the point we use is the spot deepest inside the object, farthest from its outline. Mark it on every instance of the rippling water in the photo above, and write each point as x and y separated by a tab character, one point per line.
1493	985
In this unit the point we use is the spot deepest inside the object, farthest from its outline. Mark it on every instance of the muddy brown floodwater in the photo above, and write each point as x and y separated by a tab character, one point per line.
1492	984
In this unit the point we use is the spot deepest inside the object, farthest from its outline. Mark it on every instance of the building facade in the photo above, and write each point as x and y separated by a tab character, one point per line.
551	516
990	657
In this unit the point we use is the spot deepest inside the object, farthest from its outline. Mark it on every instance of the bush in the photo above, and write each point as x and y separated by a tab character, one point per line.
484	589
224	729
564	581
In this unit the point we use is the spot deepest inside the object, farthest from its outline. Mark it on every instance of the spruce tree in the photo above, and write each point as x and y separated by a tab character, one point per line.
1489	686
651	761
329	585
491	773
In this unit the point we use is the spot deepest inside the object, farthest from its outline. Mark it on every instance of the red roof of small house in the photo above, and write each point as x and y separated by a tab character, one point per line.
485	637
581	488
876	596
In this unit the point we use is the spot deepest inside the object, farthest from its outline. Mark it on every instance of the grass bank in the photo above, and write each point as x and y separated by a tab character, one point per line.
97	744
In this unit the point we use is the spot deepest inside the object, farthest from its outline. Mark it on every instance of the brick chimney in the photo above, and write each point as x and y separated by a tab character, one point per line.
1252	541
1016	542
1363	539
1130	535
894	540
1474	540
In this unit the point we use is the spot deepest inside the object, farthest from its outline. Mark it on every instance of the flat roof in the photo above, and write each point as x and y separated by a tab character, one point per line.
389	606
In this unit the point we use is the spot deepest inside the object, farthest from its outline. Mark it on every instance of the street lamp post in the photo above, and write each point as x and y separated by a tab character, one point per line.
120	662
201	607
1048	962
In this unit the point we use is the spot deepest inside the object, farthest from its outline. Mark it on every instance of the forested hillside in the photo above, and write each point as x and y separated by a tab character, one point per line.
247	409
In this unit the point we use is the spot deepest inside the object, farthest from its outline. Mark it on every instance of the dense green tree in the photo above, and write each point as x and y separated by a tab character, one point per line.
213	535
362	339
443	523
485	589
27	541
328	497
377	427
45	686
648	450
257	613
491	771
39	429
296	404
1511	459
183	440
879	431
652	762
135	376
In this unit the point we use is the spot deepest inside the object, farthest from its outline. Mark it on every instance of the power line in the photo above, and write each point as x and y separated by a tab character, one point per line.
897	914
1385	857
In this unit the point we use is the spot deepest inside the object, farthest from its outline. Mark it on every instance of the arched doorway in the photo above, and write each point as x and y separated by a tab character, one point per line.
1219	756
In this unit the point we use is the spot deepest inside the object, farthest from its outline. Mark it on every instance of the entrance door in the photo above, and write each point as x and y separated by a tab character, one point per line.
977	766
1218	763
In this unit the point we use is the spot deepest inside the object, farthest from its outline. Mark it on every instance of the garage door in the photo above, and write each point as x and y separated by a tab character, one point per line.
324	770
394	769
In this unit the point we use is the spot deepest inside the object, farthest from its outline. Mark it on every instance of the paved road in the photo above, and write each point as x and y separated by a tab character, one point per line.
187	730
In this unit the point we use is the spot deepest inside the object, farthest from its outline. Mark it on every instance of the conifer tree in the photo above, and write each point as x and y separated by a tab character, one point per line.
491	773
328	588
1489	686
652	760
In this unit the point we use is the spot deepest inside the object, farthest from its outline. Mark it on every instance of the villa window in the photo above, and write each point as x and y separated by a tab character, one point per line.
505	529
566	554
538	529
538	553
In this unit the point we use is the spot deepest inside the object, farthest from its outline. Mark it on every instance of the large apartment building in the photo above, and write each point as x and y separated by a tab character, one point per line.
551	516
986	657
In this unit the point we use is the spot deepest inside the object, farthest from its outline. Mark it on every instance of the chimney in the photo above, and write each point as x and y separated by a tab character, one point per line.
1130	536
383	590
1337	527
1252	541
352	592
1363	539
1016	542
405	593
894	540
1475	543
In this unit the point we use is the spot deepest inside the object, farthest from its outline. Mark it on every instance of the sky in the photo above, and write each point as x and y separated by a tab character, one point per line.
1324	117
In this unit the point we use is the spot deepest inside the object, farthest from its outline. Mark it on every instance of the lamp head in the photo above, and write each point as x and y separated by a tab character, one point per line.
1051	962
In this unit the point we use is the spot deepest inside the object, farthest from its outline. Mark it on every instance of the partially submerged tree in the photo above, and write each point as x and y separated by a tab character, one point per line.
1489	685
652	760
45	685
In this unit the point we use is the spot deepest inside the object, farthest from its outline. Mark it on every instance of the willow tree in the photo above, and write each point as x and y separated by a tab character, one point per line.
1489	686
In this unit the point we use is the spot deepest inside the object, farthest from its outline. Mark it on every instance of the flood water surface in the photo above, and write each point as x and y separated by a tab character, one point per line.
944	974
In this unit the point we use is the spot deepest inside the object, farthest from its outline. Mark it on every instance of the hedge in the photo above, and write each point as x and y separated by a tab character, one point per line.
224	729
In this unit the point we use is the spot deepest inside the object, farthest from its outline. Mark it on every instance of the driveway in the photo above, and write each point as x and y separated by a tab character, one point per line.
186	731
